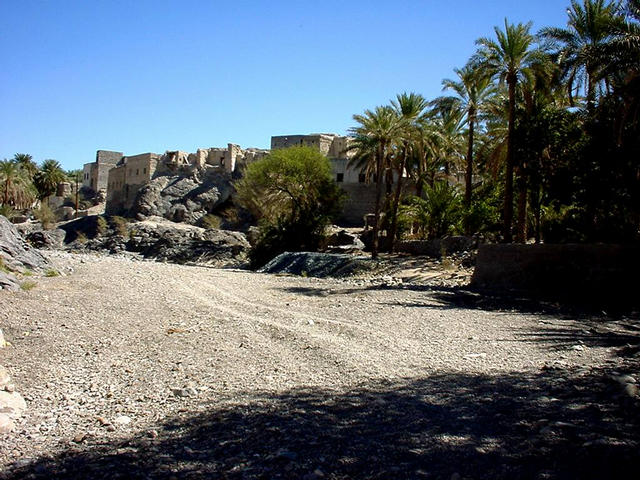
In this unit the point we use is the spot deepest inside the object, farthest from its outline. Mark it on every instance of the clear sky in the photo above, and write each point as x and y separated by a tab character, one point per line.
138	76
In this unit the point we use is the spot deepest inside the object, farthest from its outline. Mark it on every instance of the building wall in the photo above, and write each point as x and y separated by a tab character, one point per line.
124	181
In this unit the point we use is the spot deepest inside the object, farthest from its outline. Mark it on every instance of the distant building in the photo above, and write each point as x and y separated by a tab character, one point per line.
131	173
361	194
96	174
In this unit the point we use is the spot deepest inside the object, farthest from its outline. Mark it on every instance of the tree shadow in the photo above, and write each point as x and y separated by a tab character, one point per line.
551	425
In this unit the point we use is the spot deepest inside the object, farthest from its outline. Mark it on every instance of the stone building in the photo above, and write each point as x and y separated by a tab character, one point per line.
360	194
96	174
131	173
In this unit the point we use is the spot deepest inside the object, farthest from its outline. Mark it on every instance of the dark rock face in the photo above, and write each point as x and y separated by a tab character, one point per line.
182	199
187	245
49	239
317	264
16	254
162	240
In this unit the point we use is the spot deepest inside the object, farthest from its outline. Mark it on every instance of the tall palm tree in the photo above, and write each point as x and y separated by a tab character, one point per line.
590	27
26	163
410	110
48	178
17	190
381	127
473	89
507	58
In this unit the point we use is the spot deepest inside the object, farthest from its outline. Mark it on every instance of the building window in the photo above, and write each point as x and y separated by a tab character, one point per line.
362	178
144	170
340	177
137	171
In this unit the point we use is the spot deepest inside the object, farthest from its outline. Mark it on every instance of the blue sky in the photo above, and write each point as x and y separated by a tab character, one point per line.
139	76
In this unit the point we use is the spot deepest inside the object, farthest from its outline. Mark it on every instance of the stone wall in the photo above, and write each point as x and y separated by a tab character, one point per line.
589	274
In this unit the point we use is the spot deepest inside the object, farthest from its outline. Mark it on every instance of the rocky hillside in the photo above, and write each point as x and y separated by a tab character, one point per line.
17	256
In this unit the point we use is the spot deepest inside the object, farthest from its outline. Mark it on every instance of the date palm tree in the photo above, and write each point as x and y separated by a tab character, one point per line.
381	127
591	25
48	178
26	163
473	89
17	190
410	108
507	58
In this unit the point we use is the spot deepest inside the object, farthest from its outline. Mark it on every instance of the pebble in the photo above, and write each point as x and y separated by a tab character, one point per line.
4	376
6	423
122	420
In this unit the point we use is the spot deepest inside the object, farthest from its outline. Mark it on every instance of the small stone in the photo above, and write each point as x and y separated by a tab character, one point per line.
12	404
152	434
5	378
10	388
111	428
104	422
6	424
122	420
624	379
185	392
631	389
577	348
80	438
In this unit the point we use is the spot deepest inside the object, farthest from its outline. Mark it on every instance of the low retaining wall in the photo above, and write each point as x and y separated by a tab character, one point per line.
588	274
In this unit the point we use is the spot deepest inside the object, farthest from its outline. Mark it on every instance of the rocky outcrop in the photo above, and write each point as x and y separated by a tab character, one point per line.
182	199
187	244
16	255
159	239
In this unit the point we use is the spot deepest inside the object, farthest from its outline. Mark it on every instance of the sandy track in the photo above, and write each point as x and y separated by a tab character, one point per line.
109	351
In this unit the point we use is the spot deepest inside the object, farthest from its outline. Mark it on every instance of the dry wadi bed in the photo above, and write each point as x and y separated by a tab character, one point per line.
137	369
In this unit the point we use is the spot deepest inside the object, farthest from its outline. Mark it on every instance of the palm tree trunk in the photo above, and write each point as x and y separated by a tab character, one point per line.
396	201
376	218
507	217
521	228
469	174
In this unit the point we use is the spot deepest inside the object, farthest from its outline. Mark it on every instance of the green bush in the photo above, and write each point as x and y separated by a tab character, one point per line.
28	285
45	215
436	215
211	222
119	225
101	226
7	211
293	195
52	273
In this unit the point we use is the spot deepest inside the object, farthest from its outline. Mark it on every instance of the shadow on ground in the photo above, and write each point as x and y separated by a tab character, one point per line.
556	424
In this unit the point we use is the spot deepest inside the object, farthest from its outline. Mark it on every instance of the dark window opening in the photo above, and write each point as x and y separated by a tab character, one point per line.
340	177
362	178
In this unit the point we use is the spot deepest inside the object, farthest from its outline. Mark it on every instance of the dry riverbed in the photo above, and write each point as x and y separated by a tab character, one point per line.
136	369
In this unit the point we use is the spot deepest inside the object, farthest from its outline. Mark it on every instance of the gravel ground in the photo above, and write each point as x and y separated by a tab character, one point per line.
136	369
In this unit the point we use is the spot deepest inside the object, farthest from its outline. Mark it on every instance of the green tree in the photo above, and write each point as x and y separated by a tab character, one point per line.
590	27
507	58
381	128
292	193
410	108
474	91
26	163
48	178
17	190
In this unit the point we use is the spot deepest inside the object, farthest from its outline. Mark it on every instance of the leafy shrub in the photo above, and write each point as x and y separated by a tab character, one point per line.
28	285
211	222
52	273
101	226
292	193
81	237
119	225
436	215
7	211
45	215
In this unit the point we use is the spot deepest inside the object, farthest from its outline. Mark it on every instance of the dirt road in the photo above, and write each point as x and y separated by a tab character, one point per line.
146	370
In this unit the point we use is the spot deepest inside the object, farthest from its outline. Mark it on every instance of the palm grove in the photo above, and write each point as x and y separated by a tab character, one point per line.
543	126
